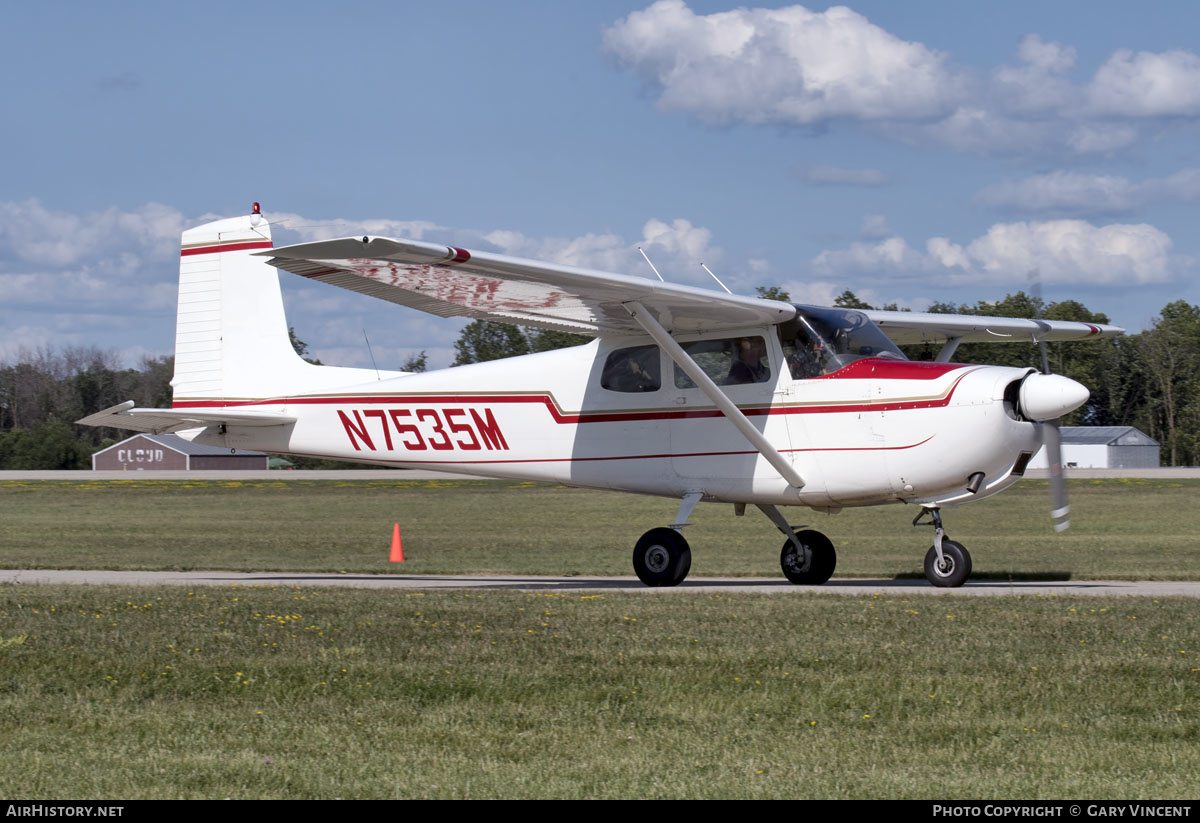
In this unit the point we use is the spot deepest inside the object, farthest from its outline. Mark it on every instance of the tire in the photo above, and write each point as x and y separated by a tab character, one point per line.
957	566
662	558
821	560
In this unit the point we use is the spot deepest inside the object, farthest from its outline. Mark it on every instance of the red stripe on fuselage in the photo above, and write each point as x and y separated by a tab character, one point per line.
664	456
560	417
878	368
218	248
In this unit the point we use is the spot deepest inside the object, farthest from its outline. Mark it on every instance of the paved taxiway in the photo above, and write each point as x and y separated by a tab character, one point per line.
1144	588
763	585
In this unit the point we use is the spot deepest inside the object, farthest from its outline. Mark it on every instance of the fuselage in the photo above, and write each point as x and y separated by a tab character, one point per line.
617	414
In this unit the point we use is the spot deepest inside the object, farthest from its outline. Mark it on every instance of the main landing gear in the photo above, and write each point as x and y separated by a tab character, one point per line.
807	557
947	563
662	556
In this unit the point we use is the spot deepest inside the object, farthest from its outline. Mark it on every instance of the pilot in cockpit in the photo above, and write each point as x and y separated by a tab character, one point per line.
808	360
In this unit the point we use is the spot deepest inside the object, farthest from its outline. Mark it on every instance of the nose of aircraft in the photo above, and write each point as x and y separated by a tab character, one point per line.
1050	396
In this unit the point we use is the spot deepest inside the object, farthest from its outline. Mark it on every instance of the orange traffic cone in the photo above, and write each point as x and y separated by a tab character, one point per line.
397	549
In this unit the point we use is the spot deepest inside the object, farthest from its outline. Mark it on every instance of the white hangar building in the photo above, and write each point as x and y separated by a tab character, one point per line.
1104	447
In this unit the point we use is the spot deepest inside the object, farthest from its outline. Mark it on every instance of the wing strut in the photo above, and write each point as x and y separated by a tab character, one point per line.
948	349
718	397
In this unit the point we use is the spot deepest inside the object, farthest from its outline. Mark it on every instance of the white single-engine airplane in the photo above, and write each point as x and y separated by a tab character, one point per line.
684	392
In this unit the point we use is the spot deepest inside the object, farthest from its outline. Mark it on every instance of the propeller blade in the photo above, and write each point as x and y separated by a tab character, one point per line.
1059	508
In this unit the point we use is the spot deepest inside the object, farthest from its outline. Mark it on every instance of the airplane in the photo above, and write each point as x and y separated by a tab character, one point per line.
684	392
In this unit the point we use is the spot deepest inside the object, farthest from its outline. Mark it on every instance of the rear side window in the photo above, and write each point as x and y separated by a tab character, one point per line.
635	369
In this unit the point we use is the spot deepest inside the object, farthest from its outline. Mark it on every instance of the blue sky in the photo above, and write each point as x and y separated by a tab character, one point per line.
911	152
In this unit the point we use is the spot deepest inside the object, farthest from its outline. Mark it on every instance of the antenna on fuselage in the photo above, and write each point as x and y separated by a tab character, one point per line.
373	365
656	274
714	277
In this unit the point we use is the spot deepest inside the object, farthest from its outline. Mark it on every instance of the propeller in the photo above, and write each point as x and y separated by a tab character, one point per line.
1060	509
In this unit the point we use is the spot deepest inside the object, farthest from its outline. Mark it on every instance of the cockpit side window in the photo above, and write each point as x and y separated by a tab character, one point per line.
821	341
731	361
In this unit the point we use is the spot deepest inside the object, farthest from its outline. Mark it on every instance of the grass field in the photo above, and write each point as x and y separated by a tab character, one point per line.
310	693
1128	529
108	692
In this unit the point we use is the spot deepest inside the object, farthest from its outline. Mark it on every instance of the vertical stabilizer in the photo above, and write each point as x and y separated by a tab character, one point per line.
231	335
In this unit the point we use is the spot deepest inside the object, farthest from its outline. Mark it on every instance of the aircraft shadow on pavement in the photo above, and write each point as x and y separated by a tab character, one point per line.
633	584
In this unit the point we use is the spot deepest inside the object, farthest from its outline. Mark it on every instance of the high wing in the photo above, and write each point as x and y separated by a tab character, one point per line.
454	282
919	327
166	421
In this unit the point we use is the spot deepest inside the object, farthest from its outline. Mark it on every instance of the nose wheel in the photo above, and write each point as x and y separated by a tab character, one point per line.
952	569
947	563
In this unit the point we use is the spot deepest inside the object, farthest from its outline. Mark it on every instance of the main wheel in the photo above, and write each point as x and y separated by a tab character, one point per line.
815	566
954	569
662	558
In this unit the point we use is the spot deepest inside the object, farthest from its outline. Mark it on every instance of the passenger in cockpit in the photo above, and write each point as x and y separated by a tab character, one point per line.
750	365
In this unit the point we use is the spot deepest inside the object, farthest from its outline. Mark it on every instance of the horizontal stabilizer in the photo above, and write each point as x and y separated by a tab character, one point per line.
165	421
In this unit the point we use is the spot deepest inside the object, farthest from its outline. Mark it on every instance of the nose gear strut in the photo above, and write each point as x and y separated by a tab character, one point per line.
947	563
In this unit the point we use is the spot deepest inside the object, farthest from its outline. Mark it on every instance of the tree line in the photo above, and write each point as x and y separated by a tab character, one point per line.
42	393
1150	379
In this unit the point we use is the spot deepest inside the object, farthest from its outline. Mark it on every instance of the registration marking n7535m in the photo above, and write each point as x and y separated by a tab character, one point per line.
424	428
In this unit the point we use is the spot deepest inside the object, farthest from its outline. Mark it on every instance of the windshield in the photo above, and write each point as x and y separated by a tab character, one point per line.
820	341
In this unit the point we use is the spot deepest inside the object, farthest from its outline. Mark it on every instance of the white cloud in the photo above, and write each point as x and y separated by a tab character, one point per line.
812	292
825	292
1070	193
795	67
104	264
831	176
787	65
688	245
1066	251
875	226
1039	83
891	254
293	228
1147	84
606	252
676	248
31	232
1075	251
946	254
1061	191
